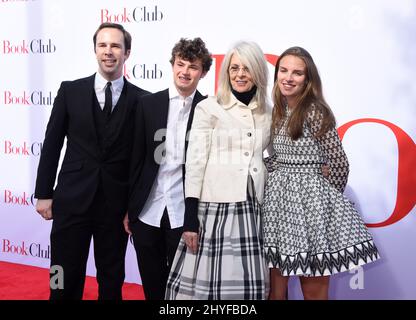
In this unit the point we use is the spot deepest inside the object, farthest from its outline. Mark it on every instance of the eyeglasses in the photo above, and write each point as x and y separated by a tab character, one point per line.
236	69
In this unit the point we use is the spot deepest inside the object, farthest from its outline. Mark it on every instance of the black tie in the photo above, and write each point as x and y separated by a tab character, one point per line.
108	100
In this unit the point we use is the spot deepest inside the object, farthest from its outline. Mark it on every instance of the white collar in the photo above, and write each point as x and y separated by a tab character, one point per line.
101	82
173	93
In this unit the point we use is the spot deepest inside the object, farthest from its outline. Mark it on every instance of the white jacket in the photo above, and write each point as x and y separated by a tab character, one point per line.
226	145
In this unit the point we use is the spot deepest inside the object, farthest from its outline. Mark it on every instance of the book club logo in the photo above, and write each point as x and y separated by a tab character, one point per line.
27	98
22	198
26	47
143	14
22	248
143	72
14	1
24	149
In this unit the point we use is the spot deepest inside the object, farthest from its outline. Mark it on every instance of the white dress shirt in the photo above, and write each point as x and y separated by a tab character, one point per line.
100	85
167	190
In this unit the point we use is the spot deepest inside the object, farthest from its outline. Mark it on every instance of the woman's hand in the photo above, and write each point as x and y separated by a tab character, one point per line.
191	240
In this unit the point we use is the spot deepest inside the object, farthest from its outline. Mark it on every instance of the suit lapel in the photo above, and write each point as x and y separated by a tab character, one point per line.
161	109
88	98
197	98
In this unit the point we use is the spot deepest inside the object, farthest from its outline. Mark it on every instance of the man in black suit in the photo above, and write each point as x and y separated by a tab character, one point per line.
96	116
156	204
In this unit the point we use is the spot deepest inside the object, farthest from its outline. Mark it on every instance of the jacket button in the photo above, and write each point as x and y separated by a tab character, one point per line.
249	134
246	154
255	169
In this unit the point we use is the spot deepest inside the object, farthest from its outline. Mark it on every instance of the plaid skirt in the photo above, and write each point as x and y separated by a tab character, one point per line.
230	261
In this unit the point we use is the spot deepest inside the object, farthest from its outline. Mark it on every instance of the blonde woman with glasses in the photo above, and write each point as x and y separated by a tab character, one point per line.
221	253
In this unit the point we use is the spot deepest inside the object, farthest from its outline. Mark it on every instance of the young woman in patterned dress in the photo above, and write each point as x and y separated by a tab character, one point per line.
311	230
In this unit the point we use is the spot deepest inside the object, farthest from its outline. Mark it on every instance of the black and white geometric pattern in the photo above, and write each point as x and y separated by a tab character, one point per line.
310	227
230	263
323	264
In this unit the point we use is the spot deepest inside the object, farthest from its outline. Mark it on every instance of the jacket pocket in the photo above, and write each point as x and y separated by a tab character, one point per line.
72	166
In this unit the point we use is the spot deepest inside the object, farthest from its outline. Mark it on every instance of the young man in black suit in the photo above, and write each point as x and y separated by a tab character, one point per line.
156	206
96	116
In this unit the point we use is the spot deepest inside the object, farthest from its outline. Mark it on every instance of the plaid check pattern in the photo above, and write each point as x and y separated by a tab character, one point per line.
230	262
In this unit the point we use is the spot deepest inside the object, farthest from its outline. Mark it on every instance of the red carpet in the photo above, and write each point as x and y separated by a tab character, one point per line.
22	282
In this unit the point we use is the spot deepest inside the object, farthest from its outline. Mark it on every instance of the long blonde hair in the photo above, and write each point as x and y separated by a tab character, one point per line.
252	57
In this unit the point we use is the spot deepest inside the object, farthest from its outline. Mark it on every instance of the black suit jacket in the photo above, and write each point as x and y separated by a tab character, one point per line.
85	166
151	116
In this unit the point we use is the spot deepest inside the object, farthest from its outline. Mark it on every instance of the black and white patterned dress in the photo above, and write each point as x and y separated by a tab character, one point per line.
310	228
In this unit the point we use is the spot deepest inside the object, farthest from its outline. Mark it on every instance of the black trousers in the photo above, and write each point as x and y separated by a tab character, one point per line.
70	242
155	250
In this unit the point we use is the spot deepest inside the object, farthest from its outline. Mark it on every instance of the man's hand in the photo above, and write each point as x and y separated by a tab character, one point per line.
191	240
126	224
44	208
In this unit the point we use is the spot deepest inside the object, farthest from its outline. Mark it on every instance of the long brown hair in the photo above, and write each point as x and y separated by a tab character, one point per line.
311	96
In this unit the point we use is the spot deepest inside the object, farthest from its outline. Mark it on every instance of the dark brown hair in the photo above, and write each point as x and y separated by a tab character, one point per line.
126	34
191	50
311	96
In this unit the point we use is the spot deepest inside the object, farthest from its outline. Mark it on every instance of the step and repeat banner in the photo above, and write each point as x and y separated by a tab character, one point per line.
365	51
